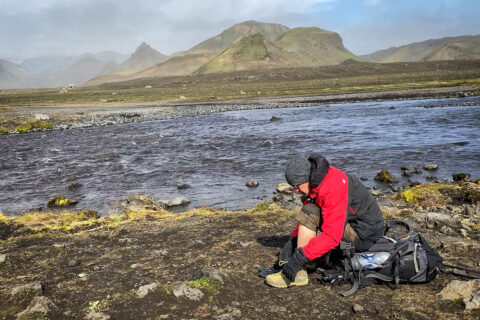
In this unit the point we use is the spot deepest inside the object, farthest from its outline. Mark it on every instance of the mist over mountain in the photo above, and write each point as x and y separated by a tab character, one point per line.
449	48
13	75
143	57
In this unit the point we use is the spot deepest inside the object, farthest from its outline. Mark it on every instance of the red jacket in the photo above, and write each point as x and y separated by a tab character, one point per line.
332	196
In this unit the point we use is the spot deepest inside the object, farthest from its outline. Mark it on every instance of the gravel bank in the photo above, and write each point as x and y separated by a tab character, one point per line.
76	116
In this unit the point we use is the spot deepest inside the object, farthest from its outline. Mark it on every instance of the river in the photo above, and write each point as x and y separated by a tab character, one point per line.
216	154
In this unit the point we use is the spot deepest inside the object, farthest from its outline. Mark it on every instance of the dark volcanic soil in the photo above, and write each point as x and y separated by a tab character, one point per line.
116	257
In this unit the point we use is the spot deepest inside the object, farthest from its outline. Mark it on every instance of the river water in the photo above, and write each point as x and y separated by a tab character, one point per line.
216	154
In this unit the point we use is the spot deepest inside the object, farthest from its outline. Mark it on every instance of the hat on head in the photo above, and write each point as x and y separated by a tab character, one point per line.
298	171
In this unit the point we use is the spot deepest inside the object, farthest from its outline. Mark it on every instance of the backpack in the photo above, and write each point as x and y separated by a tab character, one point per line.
393	259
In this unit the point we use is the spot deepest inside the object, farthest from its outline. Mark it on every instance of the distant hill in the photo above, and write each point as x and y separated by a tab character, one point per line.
75	73
13	76
143	57
249	45
451	48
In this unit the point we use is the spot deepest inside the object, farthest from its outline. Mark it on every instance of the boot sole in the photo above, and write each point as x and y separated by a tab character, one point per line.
297	284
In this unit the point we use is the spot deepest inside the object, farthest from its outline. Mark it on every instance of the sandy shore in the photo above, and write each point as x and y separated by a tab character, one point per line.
75	116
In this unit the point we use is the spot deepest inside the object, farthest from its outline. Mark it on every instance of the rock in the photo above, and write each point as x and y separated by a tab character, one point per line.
279	309
148	87
284	188
364	178
137	202
273	118
473	303
386	177
182	186
74	186
414	184
82	275
95	315
144	290
213	274
33	286
242	92
252	184
457	177
464	233
38	304
357	308
175	202
60	202
232	315
395	188
3	257
267	143
458	289
375	193
407	171
430	166
42	116
73	263
181	289
431	178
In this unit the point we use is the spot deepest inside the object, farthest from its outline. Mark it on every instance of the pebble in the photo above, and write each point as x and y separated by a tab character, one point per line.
357	308
3	257
73	263
430	166
252	184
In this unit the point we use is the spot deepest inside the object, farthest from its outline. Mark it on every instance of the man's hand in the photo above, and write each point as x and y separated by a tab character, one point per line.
295	264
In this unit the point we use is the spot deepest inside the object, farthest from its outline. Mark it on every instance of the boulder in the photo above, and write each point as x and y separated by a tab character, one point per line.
137	202
430	166
181	289
175	202
144	290
408	170
458	289
460	177
285	188
286	198
60	202
182	186
252	184
386	177
473	303
38	305
267	143
273	118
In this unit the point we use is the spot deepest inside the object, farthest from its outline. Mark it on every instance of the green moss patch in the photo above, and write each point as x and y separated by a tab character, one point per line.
32	124
441	194
211	285
4	131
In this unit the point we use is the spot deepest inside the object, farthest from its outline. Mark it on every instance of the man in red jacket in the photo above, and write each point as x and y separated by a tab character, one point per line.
337	206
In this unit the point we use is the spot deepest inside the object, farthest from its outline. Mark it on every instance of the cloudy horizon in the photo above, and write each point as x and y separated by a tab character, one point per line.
72	27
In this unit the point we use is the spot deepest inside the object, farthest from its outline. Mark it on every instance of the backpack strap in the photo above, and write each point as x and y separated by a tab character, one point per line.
391	225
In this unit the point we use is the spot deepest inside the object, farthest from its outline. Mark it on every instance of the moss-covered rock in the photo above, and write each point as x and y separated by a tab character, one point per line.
32	124
60	201
4	131
441	194
386	177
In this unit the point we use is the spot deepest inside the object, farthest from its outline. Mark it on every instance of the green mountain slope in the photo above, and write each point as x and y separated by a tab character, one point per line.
451	48
143	57
315	46
270	31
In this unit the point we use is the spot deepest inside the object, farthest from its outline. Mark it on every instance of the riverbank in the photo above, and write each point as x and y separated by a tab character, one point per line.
152	264
21	119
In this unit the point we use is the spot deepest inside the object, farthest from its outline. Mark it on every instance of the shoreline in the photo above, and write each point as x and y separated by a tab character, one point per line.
90	115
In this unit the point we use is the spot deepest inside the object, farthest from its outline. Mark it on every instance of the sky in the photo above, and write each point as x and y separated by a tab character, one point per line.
30	28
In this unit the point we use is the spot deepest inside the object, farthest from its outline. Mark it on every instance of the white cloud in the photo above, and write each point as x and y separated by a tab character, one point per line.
371	2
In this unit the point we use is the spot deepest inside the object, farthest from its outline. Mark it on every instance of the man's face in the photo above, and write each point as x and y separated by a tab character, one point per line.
302	189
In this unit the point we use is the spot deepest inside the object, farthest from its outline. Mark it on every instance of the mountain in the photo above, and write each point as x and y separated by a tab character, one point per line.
451	48
299	47
75	73
13	76
144	57
270	31
315	46
249	45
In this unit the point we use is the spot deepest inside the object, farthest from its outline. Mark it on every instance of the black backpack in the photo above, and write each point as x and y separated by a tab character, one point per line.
395	258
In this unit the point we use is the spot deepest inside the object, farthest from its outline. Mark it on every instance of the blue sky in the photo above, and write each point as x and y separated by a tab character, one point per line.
66	27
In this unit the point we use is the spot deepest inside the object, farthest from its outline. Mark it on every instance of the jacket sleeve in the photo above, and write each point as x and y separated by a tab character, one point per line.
334	212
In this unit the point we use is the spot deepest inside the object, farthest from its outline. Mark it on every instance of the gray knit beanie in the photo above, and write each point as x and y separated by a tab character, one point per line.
298	170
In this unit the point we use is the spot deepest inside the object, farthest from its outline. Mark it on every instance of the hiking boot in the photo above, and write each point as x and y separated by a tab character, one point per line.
279	280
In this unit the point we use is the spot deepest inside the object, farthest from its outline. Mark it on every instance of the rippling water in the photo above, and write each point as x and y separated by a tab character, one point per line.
217	154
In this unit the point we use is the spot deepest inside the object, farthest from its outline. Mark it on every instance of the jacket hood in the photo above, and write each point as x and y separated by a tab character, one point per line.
319	169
